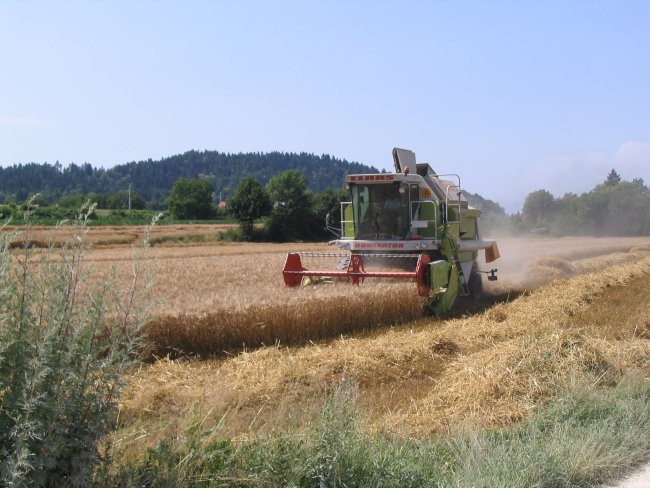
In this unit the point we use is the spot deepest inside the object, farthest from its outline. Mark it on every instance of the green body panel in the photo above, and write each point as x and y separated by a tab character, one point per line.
428	212
453	230
467	256
468	227
439	274
443	299
348	216
374	203
452	212
447	245
449	298
471	212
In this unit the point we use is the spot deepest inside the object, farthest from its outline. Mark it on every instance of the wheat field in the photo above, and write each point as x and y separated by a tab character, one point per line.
216	298
220	298
561	308
202	278
491	368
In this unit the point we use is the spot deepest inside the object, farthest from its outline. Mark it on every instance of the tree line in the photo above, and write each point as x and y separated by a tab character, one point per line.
292	209
614	207
153	179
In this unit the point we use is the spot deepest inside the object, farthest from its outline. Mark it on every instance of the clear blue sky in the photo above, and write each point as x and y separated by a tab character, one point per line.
514	96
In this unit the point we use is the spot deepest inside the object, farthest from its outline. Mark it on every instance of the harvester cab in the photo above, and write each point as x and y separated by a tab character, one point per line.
414	218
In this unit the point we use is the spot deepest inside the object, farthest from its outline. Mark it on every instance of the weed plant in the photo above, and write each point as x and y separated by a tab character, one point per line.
65	342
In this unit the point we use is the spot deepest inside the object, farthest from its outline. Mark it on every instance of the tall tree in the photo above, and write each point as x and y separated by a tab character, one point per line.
539	208
191	199
249	202
291	214
327	204
613	178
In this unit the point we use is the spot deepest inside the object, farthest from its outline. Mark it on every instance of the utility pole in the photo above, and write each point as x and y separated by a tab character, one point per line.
129	197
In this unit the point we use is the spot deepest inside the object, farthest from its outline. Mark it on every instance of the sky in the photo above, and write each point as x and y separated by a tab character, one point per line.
513	96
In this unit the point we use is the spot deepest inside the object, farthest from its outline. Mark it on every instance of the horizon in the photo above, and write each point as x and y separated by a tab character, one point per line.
512	97
509	212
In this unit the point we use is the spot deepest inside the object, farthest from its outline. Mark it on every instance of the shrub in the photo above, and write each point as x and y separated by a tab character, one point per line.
64	345
291	217
191	199
249	202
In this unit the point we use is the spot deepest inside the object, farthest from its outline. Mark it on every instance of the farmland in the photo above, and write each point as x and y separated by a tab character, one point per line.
562	310
199	278
492	366
216	297
489	365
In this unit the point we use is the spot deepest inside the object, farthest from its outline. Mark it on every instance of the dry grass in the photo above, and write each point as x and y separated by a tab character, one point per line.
542	269
489	369
204	279
232	296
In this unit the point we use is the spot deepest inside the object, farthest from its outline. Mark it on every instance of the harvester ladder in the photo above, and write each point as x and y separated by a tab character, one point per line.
459	268
456	189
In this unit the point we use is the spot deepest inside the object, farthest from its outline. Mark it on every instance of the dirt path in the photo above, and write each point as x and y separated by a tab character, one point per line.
638	479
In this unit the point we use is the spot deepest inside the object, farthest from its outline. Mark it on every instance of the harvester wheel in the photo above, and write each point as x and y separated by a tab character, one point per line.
475	285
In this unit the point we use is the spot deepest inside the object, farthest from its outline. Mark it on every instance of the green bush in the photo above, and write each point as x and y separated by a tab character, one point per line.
191	199
52	214
7	211
65	342
249	202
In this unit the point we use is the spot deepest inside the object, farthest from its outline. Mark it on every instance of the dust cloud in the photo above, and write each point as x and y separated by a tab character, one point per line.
528	263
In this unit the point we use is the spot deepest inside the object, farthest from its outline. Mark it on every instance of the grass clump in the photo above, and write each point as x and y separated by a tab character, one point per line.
236	234
177	239
64	345
587	437
332	452
590	435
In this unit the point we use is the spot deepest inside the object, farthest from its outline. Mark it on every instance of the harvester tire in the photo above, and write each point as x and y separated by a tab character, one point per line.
475	285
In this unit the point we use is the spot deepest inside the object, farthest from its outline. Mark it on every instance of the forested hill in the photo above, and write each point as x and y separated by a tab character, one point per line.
153	180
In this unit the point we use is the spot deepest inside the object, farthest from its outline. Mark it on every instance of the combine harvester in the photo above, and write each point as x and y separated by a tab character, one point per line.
411	216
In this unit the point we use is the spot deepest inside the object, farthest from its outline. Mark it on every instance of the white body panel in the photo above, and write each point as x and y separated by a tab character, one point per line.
474	245
406	245
467	269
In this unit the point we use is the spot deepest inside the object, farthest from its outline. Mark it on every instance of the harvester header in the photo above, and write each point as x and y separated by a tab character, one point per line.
417	216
